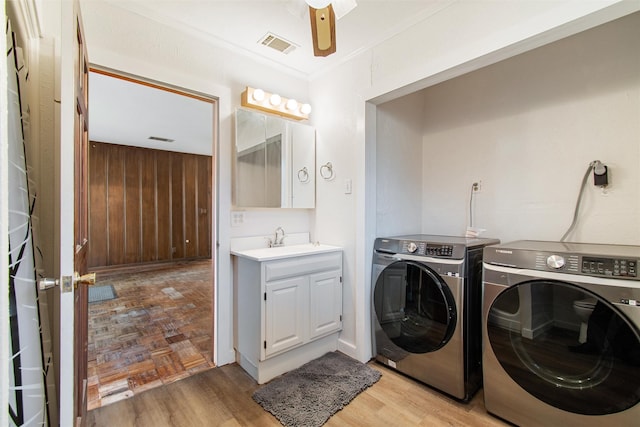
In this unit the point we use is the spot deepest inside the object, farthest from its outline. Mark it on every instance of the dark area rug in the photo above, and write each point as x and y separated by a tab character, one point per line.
311	394
101	293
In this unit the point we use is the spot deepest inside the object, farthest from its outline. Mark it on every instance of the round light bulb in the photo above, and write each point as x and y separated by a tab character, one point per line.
275	99
258	95
305	109
292	104
318	4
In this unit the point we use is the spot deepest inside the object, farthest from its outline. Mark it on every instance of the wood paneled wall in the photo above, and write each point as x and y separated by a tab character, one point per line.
147	205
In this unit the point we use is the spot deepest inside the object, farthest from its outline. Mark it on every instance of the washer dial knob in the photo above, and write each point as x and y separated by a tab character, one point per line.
412	247
555	261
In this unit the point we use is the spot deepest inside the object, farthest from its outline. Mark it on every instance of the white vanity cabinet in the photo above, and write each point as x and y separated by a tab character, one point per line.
288	311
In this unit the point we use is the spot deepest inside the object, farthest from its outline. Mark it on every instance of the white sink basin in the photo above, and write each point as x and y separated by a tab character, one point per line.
267	254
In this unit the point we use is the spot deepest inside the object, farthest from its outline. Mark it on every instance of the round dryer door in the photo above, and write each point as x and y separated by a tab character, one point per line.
415	309
567	346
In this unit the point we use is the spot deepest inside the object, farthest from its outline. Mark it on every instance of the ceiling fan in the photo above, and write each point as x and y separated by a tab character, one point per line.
323	15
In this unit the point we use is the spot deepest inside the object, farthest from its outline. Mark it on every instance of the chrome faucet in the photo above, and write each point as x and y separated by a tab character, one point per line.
279	238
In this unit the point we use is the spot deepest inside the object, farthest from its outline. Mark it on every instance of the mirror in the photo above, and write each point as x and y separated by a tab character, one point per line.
275	162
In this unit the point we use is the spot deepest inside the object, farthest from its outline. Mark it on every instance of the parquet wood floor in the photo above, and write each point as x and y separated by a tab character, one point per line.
156	331
222	397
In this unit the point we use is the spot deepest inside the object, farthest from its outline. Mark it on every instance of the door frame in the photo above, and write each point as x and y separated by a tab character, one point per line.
215	104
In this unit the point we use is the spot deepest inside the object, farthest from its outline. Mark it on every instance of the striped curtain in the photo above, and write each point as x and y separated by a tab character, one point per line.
27	392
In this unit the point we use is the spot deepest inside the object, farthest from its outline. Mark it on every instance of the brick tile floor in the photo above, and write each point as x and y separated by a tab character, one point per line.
156	331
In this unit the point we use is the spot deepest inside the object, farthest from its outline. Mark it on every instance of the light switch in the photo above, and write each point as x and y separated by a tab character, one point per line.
347	186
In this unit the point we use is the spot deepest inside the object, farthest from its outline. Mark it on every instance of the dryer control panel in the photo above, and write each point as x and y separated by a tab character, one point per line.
598	260
616	267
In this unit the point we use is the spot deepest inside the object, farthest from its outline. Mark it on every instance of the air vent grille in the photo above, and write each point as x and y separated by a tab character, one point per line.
276	42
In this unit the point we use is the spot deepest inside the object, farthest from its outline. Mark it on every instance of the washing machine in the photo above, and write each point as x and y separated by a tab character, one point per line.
426	309
561	338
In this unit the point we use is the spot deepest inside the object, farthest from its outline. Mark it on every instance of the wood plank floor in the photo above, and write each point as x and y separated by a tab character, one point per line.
156	331
222	397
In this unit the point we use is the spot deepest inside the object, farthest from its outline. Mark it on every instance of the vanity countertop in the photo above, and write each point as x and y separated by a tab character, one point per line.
281	252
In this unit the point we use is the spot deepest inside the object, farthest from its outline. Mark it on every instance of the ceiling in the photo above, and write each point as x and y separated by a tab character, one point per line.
127	113
241	24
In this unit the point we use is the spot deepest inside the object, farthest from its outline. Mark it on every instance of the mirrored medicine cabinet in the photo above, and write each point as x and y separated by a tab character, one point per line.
274	162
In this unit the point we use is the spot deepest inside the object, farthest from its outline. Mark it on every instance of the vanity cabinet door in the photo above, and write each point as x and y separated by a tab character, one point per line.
325	303
285	314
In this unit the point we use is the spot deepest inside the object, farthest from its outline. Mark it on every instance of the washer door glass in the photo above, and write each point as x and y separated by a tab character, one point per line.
415	310
566	346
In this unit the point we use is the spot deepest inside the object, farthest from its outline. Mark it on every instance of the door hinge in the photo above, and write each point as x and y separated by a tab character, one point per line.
341	317
265	296
340	279
265	345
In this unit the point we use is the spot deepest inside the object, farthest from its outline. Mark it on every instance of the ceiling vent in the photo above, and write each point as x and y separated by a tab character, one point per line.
277	43
160	139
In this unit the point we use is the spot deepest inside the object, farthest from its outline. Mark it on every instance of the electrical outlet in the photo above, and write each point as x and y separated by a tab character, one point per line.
477	186
237	219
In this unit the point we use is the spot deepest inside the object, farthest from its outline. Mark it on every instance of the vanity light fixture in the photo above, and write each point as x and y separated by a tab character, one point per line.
258	95
292	104
274	103
275	100
305	108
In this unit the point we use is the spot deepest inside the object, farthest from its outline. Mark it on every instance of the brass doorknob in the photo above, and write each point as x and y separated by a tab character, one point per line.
88	279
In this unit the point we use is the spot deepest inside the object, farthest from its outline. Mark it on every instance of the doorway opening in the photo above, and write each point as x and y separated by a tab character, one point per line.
151	228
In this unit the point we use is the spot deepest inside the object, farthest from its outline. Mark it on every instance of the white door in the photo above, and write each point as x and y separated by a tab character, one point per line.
72	213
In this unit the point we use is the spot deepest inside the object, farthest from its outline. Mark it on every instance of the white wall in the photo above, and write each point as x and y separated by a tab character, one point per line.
528	127
399	166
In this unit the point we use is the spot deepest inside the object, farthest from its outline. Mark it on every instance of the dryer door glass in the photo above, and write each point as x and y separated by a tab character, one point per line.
566	346
415	310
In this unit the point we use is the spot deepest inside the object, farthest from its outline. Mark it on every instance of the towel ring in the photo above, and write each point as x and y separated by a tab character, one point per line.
326	171
303	175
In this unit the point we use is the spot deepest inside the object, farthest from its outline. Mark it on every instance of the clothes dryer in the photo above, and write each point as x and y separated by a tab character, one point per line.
426	309
542	365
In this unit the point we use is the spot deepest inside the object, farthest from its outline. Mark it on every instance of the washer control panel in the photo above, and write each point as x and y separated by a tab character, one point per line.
439	250
616	267
427	249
